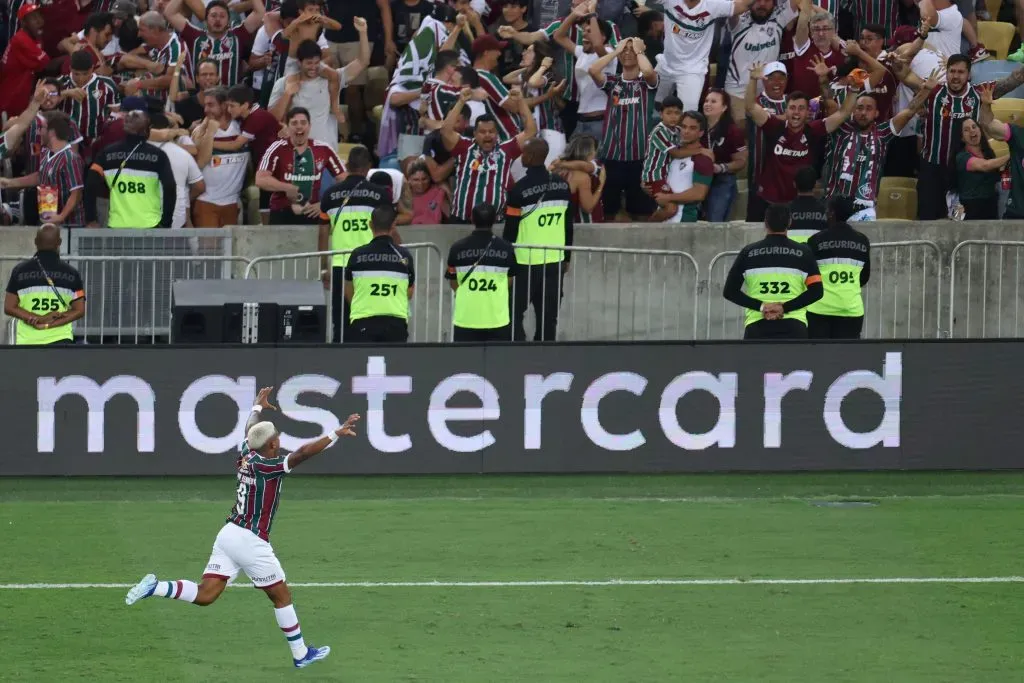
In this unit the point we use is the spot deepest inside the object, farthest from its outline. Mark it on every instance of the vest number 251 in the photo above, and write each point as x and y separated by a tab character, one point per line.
383	290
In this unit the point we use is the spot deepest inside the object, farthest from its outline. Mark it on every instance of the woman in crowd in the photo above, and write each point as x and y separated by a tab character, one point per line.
729	144
586	177
976	169
543	96
430	200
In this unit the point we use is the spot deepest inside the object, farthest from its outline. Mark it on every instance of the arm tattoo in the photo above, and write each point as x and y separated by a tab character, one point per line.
1009	84
254	417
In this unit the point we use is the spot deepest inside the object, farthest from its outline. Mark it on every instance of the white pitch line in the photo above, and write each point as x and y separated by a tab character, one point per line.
570	583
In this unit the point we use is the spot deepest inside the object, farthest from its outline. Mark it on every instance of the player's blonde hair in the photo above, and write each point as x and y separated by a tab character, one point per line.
259	434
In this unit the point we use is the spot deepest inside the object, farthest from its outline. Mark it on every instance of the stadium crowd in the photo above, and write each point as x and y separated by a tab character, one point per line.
650	112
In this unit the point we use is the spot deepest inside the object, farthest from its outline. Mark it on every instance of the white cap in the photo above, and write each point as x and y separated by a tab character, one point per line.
259	434
775	68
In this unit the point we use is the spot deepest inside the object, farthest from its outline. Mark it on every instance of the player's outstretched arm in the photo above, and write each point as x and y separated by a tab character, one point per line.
262	401
310	449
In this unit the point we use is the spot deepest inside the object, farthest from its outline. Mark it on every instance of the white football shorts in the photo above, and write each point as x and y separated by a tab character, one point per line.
240	549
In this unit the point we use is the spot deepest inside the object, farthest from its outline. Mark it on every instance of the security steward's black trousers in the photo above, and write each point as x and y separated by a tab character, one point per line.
470	334
379	329
834	326
341	328
787	328
540	286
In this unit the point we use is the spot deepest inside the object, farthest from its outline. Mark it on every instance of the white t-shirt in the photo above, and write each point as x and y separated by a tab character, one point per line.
689	34
753	43
591	98
186	174
945	37
264	43
680	179
922	66
111	49
225	174
315	96
397	182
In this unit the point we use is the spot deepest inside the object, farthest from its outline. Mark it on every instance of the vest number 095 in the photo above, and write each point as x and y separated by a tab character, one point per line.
841	277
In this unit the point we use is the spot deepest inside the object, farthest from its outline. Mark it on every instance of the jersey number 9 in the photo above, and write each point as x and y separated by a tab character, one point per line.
774	288
383	290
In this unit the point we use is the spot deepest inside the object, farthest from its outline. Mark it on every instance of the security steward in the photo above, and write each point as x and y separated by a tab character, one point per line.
844	259
379	282
138	178
345	225
808	213
479	268
538	213
45	294
781	279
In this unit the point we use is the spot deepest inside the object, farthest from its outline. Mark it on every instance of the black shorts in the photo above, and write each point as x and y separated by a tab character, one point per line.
264	201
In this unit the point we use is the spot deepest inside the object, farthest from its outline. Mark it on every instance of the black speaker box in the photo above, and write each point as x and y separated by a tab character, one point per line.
248	311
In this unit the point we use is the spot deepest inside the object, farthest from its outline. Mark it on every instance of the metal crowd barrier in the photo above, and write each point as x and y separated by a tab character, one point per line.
614	294
996	307
426	313
902	300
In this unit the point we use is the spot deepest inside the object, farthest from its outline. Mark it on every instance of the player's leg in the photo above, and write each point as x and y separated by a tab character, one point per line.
220	569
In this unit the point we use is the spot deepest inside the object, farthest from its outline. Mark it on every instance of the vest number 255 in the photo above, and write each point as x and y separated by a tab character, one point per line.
774	288
42	304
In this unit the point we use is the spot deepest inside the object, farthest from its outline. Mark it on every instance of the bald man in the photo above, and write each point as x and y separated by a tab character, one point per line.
45	294
138	178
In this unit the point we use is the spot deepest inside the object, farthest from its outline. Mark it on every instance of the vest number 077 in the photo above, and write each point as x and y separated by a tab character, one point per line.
550	219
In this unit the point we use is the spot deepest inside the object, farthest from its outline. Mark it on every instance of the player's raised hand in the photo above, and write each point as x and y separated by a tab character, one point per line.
263	398
348	428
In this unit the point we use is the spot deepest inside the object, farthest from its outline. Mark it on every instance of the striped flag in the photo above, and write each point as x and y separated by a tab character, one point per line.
417	62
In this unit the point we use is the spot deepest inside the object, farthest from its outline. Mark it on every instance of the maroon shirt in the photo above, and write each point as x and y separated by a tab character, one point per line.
62	18
802	78
261	129
884	94
786	152
65	171
732	140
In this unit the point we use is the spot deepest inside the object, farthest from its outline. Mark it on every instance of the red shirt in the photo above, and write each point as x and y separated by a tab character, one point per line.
23	57
62	18
786	152
884	94
305	170
801	77
732	140
261	129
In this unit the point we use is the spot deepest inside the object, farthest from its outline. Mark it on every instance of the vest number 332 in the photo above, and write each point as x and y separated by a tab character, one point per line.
773	287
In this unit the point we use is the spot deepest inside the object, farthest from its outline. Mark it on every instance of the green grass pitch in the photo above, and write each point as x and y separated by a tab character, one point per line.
529	529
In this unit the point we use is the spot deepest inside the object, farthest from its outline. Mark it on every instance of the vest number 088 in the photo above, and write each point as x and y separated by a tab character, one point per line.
131	187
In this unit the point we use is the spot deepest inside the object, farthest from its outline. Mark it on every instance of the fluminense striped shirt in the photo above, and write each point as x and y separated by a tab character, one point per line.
230	51
662	140
65	171
571	93
34	144
627	117
169	54
497	93
755	136
942	109
482	177
92	113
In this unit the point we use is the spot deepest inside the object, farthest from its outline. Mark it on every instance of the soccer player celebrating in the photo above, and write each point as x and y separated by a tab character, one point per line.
244	541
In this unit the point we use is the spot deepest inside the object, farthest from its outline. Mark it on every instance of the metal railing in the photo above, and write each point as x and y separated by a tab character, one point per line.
986	298
426	308
609	293
902	300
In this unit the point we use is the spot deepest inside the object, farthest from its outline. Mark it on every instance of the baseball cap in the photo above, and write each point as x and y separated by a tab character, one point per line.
775	68
26	10
125	8
488	42
134	103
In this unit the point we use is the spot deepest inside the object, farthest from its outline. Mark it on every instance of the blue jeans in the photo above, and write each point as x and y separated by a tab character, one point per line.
718	205
594	128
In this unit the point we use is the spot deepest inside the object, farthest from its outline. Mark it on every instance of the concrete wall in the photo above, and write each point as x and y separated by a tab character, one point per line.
609	296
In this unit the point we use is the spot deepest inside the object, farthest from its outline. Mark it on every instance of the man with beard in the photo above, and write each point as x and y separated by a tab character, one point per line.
228	47
790	141
860	147
756	39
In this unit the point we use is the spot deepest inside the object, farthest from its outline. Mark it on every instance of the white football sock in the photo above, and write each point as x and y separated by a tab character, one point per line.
177	590
289	624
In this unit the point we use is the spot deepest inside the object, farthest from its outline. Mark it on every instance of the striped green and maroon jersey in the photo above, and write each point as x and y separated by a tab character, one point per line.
882	12
230	51
546	113
171	53
439	98
662	140
857	162
497	93
627	118
259	490
4	151
568	72
942	109
92	113
482	177
755	136
34	143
